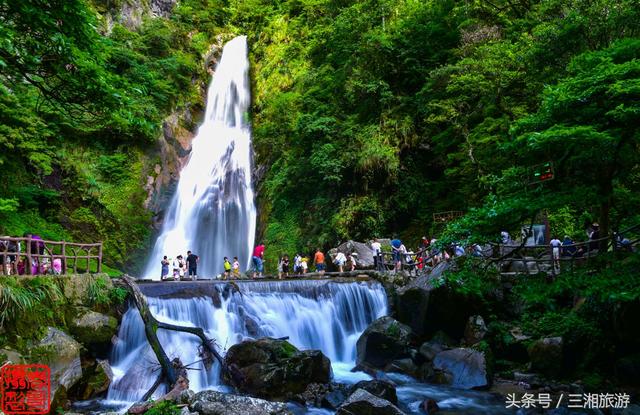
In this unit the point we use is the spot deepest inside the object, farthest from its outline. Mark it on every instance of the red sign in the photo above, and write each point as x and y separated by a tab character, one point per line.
26	389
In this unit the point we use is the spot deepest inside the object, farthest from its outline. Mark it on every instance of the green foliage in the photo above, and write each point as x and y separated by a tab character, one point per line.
100	294
164	408
18	297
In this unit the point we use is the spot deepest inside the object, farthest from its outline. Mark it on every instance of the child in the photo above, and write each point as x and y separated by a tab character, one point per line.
227	268
303	265
236	267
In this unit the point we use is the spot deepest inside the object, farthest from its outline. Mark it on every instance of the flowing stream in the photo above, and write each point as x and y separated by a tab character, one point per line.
314	315
212	212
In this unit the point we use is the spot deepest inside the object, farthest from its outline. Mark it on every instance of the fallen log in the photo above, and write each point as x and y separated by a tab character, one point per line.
173	373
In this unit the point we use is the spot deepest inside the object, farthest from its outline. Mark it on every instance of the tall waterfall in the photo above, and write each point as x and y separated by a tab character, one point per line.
314	315
212	212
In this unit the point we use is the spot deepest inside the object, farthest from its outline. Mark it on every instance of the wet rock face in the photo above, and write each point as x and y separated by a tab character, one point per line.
94	328
275	369
218	403
463	368
61	353
362	402
380	388
384	341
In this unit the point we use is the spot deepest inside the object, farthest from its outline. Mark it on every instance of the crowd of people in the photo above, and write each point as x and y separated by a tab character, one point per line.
13	257
182	267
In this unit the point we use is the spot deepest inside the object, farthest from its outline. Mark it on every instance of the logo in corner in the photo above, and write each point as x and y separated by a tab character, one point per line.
25	389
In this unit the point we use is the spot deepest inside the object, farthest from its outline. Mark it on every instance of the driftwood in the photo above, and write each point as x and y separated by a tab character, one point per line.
173	373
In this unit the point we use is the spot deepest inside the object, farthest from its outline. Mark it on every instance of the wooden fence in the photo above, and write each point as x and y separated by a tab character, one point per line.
29	256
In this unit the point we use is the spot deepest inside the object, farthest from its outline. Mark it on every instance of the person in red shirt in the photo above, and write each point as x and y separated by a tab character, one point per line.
258	262
318	259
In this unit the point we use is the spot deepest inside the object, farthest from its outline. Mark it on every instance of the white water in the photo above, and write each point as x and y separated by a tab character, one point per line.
212	212
313	314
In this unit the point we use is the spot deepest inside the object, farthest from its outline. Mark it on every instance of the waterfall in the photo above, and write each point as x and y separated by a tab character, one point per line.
320	315
212	212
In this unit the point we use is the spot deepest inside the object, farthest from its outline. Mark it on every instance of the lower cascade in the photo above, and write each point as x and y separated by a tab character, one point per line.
322	315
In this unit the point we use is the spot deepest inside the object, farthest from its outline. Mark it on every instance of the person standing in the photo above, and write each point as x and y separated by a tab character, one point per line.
165	268
285	265
376	250
555	251
318	260
352	261
297	264
192	262
176	267
258	256
236	267
303	265
182	266
396	245
227	268
280	267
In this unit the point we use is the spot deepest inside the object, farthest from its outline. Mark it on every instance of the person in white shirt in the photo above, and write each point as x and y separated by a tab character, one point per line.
340	260
555	251
376	250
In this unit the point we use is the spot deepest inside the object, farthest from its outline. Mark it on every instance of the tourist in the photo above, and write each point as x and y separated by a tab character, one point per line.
376	250
304	264
352	261
568	247
318	260
236	267
555	251
192	262
280	259
178	267
57	266
227	268
594	235
165	268
285	265
340	260
13	247
396	244
258	260
297	264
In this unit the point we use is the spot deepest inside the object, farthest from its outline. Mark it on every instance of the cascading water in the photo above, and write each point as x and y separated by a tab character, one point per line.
212	212
314	315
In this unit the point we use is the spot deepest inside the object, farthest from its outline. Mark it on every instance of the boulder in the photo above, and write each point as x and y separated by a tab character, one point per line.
429	350
92	328
475	330
466	368
333	399
546	356
380	388
362	402
382	342
61	353
98	381
364	258
275	369
428	307
8	355
218	403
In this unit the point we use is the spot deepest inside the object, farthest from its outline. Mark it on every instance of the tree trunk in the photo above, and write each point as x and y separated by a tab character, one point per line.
173	372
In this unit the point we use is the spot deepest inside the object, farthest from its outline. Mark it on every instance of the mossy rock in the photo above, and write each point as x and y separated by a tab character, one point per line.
91	327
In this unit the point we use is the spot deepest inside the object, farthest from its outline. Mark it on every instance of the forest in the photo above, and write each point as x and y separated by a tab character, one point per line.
368	117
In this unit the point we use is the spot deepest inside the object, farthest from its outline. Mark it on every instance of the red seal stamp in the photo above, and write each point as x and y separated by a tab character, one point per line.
25	389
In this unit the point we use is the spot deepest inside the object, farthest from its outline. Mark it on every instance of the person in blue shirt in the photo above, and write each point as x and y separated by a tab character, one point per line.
396	252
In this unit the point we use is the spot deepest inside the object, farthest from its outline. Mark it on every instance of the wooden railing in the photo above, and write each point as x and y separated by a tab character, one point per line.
31	256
